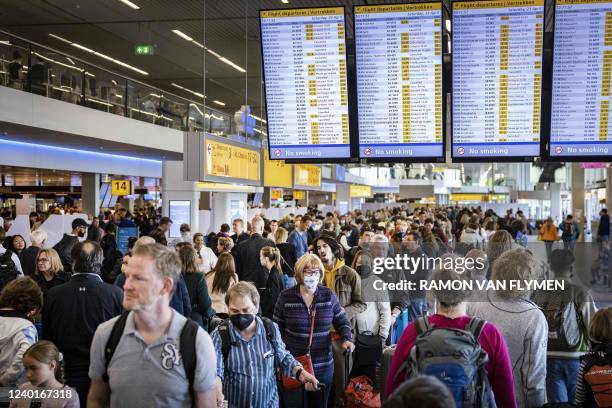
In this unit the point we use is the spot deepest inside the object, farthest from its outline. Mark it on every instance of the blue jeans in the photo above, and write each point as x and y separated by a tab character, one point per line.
561	378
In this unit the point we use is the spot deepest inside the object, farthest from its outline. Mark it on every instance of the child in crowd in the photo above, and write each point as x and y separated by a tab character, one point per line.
45	387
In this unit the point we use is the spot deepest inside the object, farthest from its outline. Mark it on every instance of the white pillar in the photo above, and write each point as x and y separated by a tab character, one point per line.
578	196
90	193
174	187
226	207
555	201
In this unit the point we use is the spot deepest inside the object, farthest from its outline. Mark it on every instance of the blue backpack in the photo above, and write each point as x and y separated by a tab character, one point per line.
455	357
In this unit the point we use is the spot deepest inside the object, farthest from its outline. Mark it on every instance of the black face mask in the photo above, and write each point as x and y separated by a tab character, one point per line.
364	270
81	234
242	321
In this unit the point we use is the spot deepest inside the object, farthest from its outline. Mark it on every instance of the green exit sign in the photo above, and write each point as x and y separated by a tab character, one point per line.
144	50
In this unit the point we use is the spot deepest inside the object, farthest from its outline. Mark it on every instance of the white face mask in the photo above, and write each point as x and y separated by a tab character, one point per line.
311	282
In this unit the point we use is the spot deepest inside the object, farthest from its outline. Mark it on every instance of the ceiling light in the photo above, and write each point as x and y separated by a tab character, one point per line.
213	53
188	90
219	103
182	35
221	58
130	4
79	46
99	54
57	37
285	1
71	61
5	42
230	63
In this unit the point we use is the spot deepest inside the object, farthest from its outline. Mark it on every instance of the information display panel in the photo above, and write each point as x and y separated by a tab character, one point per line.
497	78
582	68
304	62
399	81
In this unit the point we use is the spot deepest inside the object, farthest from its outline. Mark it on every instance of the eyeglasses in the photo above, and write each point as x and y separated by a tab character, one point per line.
311	272
40	260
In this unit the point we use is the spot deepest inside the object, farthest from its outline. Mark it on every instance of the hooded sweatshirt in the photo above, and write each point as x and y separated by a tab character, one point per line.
17	334
525	330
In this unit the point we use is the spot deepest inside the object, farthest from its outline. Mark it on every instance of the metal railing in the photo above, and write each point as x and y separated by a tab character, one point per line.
38	69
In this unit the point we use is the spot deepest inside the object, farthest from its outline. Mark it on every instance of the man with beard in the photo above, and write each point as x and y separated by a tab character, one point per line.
68	241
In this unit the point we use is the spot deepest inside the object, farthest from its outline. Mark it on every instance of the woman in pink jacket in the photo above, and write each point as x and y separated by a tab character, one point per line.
451	308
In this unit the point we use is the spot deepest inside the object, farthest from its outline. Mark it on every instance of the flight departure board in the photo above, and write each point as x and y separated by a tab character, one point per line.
582	65
398	51
497	77
304	62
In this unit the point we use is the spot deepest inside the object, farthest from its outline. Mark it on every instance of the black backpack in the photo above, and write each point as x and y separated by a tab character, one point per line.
562	317
187	347
8	269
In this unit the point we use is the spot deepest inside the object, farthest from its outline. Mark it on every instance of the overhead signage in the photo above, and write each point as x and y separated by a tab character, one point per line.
399	80
497	79
277	173
276	194
360	191
307	176
582	72
121	187
231	162
305	76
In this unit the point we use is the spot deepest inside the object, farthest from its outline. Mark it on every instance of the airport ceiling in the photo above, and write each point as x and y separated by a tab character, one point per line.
113	28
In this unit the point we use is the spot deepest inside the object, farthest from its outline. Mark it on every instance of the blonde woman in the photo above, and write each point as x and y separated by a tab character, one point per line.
311	307
49	270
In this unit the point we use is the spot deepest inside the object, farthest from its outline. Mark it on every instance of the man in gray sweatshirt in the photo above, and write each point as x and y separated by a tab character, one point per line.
522	324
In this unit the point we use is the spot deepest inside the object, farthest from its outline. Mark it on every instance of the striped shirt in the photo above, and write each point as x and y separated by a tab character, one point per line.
248	374
293	319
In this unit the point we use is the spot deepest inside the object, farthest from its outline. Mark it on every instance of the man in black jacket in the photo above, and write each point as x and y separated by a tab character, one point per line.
68	241
239	235
246	255
73	311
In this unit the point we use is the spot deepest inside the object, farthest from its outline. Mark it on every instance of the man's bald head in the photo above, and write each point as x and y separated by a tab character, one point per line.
87	257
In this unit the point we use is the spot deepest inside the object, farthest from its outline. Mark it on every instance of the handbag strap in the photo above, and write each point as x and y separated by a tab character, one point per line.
312	320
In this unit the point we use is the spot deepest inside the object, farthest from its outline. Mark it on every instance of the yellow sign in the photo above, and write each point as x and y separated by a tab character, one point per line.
277	173
226	160
469	197
299	195
360	191
334	196
276	194
307	175
121	187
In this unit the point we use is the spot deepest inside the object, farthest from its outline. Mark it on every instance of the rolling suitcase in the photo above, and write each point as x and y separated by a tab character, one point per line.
383	370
